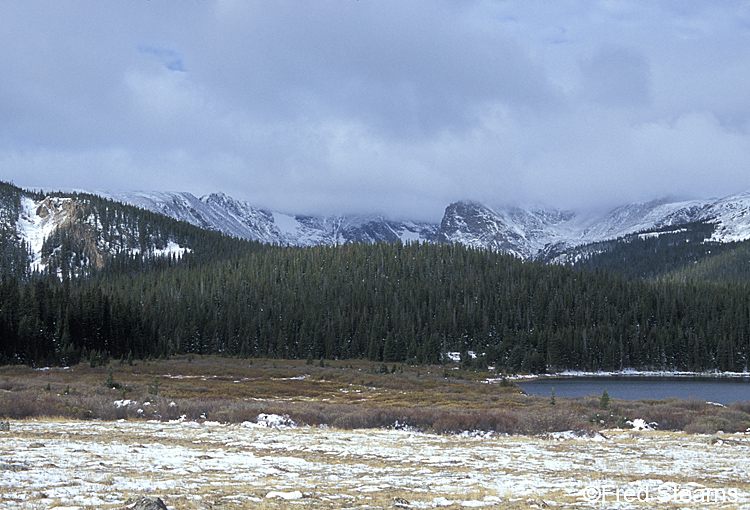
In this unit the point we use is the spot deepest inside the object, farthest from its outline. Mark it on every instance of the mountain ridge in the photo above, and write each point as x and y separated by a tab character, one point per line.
547	234
528	233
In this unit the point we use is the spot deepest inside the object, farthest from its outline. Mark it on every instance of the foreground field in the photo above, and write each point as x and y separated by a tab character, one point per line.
208	432
191	465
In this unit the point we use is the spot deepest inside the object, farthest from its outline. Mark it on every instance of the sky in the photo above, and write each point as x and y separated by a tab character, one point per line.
379	106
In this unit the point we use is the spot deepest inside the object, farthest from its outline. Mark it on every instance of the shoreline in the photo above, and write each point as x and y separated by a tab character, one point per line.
623	373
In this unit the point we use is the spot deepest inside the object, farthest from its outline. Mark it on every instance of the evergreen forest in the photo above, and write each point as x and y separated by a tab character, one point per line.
385	302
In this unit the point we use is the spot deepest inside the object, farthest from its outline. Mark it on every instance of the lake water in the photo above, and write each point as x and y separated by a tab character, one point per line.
721	390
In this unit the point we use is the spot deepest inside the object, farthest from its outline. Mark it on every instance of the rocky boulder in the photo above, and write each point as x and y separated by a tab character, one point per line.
145	503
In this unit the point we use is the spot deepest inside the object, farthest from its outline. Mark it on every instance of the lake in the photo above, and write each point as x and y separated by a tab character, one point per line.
711	389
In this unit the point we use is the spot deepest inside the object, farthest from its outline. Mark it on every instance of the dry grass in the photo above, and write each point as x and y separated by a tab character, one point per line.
343	394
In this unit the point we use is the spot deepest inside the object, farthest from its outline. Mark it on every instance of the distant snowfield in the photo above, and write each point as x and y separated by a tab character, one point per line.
286	223
81	465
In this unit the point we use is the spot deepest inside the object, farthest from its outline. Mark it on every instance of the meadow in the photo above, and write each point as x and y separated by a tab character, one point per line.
205	432
341	394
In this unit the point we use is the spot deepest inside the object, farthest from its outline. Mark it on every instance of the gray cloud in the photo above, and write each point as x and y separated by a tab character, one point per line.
617	76
379	106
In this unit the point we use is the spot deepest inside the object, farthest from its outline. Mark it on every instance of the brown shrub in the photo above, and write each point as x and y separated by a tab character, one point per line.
724	419
707	425
235	391
668	416
235	413
550	420
453	423
691	404
742	406
368	418
196	409
307	415
506	422
349	421
17	406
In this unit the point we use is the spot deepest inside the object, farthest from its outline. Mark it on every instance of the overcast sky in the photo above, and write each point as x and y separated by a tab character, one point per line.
395	106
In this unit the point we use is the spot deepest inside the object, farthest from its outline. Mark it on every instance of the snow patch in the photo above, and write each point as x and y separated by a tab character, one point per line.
441	501
124	403
456	356
35	229
640	424
582	435
286	223
274	421
172	248
284	495
407	235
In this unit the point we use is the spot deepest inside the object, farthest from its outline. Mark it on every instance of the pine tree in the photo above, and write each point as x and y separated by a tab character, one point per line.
604	401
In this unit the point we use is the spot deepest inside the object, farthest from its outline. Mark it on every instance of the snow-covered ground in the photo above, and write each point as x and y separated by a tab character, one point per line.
78	465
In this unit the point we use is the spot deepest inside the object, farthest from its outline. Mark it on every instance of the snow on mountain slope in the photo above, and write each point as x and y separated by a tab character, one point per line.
222	213
312	230
731	216
529	232
632	218
476	225
37	221
213	212
251	223
524	232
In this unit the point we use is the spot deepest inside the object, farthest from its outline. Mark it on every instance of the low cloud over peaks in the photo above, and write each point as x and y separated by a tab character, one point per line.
348	106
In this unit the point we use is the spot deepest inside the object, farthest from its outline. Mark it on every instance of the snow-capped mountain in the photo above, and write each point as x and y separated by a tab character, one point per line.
212	212
220	212
517	231
731	216
640	217
528	233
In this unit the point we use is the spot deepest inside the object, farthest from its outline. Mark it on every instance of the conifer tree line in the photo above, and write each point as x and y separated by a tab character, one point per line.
14	255
387	302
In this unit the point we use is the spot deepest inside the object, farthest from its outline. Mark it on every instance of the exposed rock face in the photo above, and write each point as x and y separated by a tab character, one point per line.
400	503
63	211
58	213
145	503
4	466
473	224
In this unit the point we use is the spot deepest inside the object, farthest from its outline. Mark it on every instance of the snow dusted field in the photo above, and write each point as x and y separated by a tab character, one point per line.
90	464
